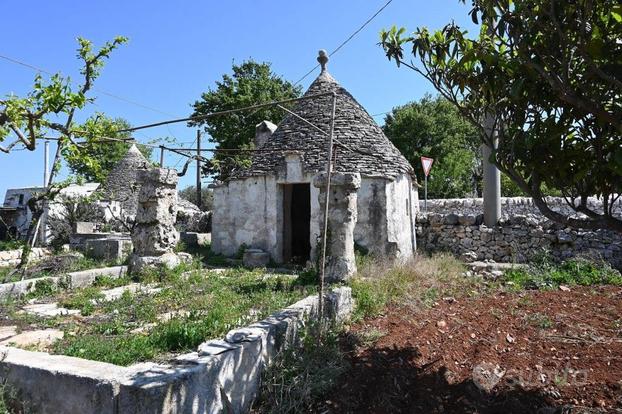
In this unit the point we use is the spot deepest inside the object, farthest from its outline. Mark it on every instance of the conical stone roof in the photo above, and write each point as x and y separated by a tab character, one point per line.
121	183
369	151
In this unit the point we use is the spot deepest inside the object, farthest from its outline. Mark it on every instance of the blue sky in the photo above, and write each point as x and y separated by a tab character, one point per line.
179	49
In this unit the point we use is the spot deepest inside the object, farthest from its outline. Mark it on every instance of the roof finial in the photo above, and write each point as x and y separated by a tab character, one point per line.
323	59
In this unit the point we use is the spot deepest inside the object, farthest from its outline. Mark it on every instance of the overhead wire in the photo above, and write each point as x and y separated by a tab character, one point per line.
357	31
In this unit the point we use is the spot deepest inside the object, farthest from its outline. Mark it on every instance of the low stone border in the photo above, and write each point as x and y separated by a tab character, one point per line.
12	257
71	280
222	376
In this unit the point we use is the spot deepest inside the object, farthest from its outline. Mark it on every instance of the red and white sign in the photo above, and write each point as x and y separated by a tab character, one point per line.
426	163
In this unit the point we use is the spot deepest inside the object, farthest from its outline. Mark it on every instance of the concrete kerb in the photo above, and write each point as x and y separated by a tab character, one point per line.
220	374
72	280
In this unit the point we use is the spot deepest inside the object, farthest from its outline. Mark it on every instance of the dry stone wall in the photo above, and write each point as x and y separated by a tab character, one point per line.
515	239
12	257
510	206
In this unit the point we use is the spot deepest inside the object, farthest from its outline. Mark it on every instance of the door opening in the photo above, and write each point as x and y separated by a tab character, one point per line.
296	223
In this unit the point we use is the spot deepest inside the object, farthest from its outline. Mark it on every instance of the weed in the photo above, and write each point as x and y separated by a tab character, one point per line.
496	313
11	245
82	299
543	274
119	350
180	247
539	320
419	282
307	277
42	288
201	306
368	337
560	381
301	374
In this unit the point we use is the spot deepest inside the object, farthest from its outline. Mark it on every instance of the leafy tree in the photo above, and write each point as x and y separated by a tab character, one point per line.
544	78
251	83
94	159
432	127
49	109
190	194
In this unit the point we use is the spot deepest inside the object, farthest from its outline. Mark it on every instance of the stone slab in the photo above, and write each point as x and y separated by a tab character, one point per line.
23	287
53	384
49	309
116	293
87	277
7	332
109	248
38	338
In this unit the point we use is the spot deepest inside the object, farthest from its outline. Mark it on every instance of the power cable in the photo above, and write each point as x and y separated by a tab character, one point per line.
347	40
38	69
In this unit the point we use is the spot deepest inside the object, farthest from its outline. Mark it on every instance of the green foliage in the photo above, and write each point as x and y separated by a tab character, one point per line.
201	305
300	375
35	115
11	244
547	275
94	159
43	287
433	127
250	83
544	78
207	197
118	350
419	283
83	300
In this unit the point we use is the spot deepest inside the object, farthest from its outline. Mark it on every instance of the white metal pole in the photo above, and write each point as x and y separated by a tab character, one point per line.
425	200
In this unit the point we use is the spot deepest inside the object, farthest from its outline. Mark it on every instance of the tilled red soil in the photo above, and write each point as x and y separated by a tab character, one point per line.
533	352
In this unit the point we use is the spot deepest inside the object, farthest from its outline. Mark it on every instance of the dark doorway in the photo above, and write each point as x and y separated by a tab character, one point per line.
296	223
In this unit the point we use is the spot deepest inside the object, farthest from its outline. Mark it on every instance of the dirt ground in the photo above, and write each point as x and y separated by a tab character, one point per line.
531	352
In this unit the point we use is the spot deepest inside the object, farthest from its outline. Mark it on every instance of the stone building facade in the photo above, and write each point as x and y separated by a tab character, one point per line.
273	205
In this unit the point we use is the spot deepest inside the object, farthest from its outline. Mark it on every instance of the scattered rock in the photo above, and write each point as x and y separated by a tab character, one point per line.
441	324
255	258
486	376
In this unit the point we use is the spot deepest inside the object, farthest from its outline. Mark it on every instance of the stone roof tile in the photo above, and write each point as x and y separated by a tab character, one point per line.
368	151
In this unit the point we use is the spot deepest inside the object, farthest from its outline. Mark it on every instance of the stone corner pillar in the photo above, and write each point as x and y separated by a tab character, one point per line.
342	216
154	235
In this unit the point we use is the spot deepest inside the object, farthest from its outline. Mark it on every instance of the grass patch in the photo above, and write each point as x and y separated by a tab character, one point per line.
198	304
301	374
84	300
11	245
543	274
417	282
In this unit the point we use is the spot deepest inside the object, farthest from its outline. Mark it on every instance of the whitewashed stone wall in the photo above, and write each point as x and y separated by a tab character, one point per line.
516	239
249	211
